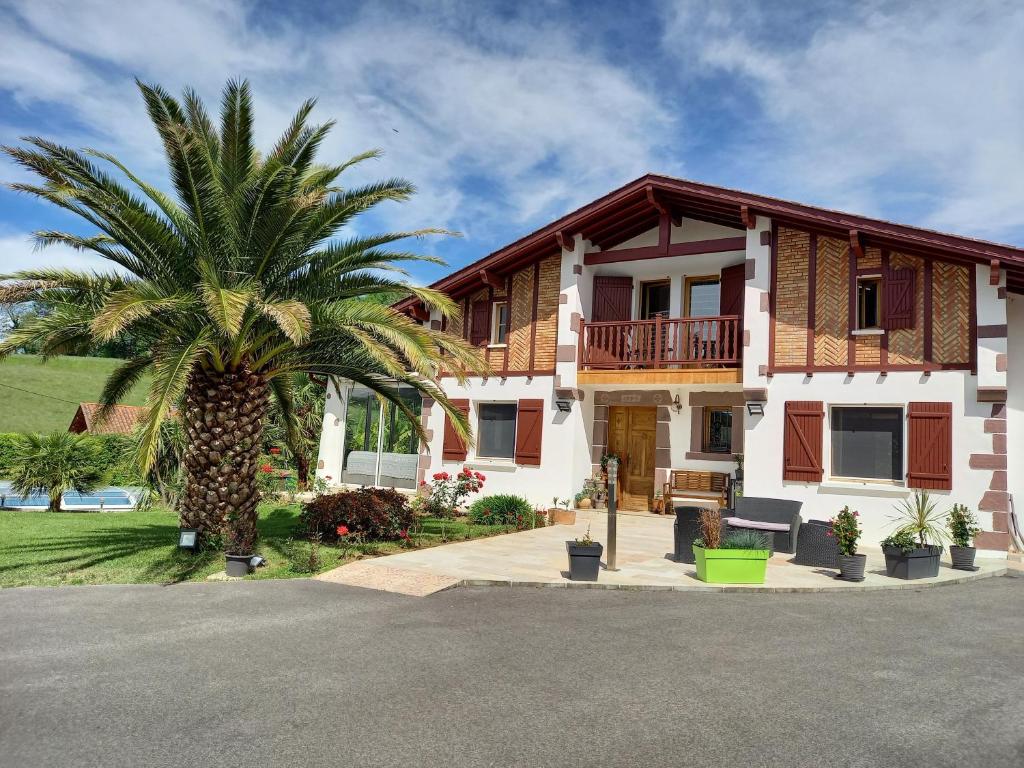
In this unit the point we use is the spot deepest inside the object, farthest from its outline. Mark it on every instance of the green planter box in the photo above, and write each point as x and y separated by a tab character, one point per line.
731	566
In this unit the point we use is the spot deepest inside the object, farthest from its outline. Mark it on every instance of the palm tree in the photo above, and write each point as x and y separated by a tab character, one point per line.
234	285
55	463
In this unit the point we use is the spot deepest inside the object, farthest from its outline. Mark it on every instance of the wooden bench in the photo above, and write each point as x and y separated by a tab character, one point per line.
695	484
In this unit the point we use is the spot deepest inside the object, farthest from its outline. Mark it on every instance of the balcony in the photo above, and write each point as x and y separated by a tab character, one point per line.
697	350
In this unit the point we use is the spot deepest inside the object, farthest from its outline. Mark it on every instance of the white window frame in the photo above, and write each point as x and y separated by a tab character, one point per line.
827	447
495	344
479	427
872	330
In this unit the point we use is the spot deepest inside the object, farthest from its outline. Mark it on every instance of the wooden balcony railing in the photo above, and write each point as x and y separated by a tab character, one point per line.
709	342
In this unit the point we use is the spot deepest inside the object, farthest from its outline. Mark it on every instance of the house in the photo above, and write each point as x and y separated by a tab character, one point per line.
677	324
122	419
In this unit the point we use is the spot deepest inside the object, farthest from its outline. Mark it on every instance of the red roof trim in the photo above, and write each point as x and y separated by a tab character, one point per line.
725	206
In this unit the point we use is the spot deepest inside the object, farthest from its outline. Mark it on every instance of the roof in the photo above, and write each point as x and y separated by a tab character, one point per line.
636	207
122	420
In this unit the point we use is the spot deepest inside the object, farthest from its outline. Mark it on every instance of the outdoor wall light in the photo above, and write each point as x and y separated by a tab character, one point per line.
676	403
755	409
188	538
564	406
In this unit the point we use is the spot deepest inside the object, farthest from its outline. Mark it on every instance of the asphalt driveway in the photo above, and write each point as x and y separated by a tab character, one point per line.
303	673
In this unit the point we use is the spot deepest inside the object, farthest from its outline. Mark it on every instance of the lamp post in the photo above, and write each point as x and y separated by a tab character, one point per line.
613	478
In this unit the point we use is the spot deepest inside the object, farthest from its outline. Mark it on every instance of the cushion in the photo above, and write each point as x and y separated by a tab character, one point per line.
758	525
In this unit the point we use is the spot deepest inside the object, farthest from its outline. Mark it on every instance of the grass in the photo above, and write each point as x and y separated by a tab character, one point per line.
42	397
53	549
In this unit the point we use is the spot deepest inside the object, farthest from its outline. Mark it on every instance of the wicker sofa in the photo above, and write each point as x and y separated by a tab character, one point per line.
777	518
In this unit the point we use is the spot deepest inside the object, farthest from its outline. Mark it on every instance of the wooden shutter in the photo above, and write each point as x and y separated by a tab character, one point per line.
801	441
529	428
930	449
480	330
613	299
900	292
731	288
454	446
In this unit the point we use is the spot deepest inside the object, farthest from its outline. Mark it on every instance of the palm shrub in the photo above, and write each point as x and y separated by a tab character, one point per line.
233	285
918	519
55	463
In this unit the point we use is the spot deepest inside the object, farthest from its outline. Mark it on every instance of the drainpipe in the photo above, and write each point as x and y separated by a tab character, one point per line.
380	444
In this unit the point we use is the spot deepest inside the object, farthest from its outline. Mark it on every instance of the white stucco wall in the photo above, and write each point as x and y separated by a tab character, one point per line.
332	436
1015	400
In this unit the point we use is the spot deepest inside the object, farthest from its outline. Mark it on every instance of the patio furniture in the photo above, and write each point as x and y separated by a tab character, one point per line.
694	484
815	547
780	518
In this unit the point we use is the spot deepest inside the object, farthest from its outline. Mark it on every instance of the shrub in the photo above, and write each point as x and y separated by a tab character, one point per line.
901	540
962	525
745	540
846	530
55	463
448	492
504	509
371	513
114	457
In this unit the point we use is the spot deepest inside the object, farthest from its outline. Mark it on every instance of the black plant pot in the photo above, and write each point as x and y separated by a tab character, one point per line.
238	565
918	563
963	558
851	567
584	560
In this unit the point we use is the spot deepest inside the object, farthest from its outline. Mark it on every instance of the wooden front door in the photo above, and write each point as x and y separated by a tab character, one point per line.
631	435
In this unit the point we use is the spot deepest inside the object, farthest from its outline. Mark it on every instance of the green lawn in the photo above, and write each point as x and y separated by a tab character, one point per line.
42	397
45	549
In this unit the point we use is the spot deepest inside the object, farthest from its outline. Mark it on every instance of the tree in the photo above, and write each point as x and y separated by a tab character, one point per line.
234	285
55	463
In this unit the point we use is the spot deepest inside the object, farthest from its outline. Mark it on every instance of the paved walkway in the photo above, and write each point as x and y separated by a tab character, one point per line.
538	558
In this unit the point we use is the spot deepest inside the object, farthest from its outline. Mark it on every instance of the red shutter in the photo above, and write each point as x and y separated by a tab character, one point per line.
613	299
731	288
900	292
529	428
454	447
480	331
930	452
801	441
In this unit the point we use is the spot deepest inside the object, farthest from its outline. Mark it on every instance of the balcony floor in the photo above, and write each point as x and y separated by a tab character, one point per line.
661	376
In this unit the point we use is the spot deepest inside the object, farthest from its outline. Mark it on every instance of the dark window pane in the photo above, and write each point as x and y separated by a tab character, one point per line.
868	302
497	430
718	430
868	443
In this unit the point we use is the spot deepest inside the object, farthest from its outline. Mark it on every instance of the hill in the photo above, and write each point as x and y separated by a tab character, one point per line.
42	397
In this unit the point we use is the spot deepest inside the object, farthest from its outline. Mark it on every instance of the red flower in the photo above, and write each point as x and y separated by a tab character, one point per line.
404	534
423	482
343	530
275	451
479	476
267	469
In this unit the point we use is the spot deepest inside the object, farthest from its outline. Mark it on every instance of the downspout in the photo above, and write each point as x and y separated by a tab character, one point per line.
380	444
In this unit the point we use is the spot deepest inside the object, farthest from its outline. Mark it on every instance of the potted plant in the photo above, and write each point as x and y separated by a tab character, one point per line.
913	549
584	558
559	513
963	527
846	531
739	558
604	463
738	472
583	499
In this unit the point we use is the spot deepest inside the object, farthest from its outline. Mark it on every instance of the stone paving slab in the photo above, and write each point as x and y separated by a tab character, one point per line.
538	558
371	575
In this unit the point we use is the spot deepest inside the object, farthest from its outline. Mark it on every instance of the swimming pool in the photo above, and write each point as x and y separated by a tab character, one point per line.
111	498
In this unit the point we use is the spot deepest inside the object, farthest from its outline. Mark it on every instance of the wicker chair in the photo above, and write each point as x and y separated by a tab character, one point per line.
687	529
815	547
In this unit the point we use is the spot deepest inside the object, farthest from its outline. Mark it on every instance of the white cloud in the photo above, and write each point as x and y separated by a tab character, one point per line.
460	98
879	104
17	252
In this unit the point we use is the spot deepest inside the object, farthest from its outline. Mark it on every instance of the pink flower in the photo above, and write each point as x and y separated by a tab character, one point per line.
404	535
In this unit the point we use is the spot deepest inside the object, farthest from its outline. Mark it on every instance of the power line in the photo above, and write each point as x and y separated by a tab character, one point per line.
38	394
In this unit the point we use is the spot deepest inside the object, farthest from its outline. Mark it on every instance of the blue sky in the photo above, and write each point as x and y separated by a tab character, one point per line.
507	115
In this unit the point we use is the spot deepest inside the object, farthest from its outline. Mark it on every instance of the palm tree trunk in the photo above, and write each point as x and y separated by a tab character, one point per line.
55	501
223	419
302	469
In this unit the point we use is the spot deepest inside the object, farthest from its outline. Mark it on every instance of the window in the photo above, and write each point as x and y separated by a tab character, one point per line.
717	430
867	442
497	428
869	303
701	297
654	299
499	323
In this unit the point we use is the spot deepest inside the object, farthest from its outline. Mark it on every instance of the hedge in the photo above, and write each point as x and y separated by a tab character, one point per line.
116	458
